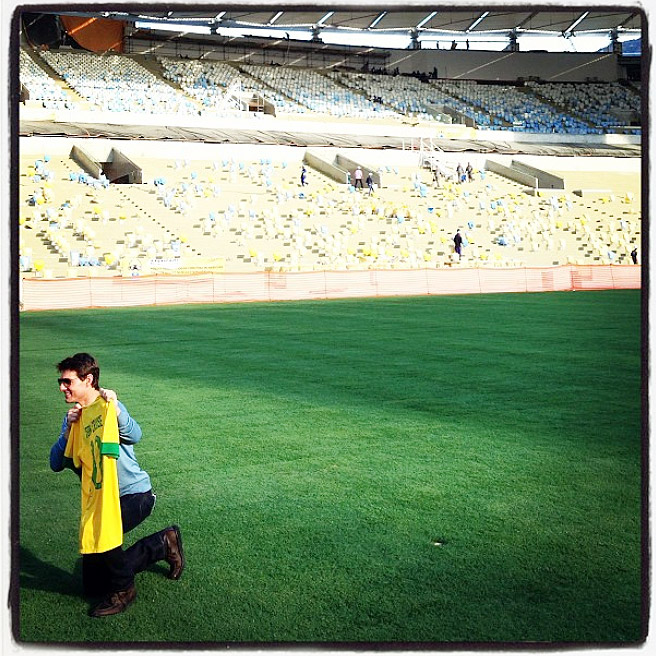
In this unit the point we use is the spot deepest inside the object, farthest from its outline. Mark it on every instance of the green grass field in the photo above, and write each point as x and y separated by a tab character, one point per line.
458	469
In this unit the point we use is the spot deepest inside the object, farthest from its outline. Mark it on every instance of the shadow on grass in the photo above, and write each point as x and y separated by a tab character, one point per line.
36	574
157	568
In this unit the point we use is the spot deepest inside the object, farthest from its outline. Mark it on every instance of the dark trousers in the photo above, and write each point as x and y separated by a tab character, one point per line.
135	508
114	570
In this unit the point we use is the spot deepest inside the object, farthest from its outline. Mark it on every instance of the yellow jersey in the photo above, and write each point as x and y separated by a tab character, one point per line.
93	446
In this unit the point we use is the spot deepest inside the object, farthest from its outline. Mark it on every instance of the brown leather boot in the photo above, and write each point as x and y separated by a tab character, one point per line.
174	554
116	603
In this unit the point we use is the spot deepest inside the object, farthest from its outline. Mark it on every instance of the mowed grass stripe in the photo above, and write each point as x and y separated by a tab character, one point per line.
395	470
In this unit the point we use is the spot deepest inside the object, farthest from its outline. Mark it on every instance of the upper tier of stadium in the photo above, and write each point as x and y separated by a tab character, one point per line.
77	81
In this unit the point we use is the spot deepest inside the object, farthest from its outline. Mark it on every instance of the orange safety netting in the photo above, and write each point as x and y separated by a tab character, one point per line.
44	294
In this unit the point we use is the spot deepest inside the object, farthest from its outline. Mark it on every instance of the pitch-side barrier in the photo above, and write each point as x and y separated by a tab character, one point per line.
91	292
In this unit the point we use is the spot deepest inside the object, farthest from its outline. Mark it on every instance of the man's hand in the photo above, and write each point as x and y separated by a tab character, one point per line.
74	414
110	395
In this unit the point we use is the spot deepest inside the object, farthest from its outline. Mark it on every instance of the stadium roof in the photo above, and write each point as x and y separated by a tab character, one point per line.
419	23
468	20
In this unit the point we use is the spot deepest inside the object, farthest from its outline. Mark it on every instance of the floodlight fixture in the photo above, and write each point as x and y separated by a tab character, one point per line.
182	28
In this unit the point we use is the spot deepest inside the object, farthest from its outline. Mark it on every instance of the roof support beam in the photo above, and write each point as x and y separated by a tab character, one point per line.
323	19
528	19
570	29
482	17
377	20
425	20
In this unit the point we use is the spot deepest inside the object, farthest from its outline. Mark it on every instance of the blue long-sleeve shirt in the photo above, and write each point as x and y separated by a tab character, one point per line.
131	477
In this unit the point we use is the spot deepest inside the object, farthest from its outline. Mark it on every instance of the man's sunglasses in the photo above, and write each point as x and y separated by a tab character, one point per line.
66	381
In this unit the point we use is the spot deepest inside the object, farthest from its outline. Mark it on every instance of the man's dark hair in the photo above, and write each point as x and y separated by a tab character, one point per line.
83	364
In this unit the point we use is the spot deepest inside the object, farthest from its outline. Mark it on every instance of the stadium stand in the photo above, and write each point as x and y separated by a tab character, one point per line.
118	83
254	215
515	108
221	86
604	107
393	95
312	91
198	87
41	88
247	211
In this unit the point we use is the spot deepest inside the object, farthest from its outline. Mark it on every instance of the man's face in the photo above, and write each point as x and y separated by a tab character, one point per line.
73	387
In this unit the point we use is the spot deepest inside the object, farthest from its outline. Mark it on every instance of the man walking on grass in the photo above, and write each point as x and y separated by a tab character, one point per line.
96	443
